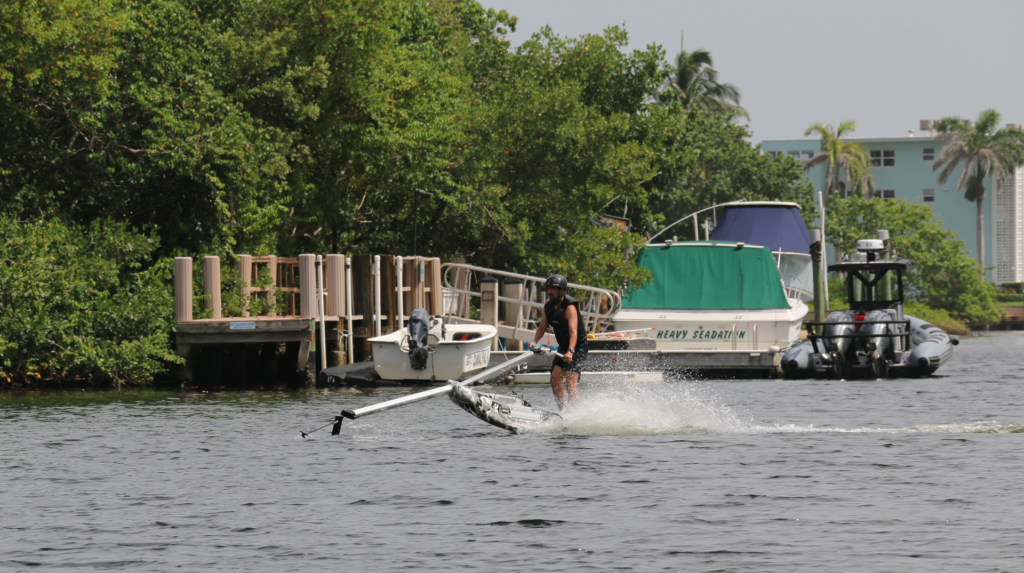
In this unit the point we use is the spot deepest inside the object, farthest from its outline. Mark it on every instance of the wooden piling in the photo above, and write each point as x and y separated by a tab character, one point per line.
245	272
211	284
307	286
433	287
182	289
272	289
362	299
334	284
413	286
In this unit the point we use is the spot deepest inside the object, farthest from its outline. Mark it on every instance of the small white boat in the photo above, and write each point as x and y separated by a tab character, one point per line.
429	350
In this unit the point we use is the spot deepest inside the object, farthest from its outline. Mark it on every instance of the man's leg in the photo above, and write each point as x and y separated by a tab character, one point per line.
571	378
557	377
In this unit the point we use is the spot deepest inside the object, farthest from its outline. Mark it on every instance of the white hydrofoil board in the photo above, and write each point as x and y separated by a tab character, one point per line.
512	413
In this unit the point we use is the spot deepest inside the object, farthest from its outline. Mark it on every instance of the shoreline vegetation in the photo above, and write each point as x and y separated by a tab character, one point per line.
135	133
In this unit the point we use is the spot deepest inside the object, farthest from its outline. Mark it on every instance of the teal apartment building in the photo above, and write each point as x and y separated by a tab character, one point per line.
902	169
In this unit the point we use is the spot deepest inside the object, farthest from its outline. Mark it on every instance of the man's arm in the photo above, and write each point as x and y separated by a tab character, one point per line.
570	317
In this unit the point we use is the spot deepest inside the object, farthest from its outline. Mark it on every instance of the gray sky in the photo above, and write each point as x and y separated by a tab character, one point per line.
885	64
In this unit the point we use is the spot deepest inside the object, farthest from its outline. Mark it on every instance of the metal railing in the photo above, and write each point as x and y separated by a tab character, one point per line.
793	287
902	333
459	280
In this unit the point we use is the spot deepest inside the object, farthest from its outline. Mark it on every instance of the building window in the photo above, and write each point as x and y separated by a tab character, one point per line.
806	156
928	154
794	154
928	195
885	193
771	154
883	158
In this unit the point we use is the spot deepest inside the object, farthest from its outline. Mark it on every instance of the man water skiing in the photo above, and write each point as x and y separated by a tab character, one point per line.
562	314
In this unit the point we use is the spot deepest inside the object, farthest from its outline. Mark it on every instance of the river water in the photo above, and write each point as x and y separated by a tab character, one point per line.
767	475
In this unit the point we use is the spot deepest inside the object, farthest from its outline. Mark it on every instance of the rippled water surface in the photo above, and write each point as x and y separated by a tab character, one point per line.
900	475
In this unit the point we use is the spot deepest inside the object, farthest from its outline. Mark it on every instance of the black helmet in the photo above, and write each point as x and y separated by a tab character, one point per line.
557	281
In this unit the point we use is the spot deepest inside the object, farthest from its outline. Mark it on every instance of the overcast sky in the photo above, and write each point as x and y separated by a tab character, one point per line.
885	64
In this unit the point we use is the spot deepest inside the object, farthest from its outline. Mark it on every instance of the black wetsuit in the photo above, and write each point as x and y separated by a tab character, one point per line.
554	311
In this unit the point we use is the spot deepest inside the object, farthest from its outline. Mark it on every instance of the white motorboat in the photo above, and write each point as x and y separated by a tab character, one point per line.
712	296
429	350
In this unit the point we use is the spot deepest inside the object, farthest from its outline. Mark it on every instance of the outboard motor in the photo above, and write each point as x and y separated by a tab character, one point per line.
879	347
838	346
419	326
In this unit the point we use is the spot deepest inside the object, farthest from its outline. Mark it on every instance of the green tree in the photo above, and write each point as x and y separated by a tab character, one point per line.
983	151
945	276
82	302
694	84
122	110
843	159
708	160
542	152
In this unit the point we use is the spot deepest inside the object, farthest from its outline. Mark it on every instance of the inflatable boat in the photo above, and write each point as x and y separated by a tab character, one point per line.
873	338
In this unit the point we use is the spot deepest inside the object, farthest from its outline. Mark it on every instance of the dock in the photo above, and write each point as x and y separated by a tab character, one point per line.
276	315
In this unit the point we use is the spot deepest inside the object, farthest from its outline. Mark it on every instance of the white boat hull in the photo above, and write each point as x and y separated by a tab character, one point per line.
449	358
717	330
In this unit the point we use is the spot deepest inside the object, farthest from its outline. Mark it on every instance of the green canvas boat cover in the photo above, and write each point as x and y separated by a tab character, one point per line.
708	275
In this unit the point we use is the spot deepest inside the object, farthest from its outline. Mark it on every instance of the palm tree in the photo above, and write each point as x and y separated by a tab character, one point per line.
984	151
844	159
694	83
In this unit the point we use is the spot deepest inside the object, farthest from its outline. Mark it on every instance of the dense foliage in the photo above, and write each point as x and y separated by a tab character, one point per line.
714	164
76	302
945	276
284	126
